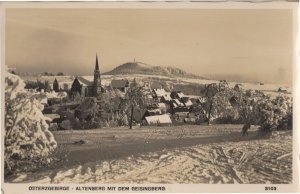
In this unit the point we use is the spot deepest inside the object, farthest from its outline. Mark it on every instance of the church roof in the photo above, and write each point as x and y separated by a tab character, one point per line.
84	82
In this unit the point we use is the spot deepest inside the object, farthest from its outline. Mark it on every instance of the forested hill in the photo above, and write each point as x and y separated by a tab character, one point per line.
142	68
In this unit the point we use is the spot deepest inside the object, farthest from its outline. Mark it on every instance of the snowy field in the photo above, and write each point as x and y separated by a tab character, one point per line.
181	154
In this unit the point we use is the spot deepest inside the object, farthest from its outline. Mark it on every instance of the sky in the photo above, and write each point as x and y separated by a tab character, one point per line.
245	42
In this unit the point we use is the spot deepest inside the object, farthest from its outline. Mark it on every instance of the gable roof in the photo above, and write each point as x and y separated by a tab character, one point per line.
84	82
119	83
180	94
167	96
177	102
188	103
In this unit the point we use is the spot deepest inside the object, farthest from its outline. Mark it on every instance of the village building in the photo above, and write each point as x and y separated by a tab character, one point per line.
158	120
87	88
159	92
177	95
166	98
176	103
151	112
188	103
180	113
121	85
201	100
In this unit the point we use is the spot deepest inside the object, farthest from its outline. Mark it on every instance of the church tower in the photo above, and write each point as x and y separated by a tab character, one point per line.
97	80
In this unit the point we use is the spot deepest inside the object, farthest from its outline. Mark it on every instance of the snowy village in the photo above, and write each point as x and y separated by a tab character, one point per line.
146	108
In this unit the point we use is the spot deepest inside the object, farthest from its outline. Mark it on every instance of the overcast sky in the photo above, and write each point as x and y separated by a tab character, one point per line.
244	42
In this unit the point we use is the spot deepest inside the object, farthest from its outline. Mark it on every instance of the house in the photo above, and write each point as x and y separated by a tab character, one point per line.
121	85
202	100
159	93
82	86
180	113
151	112
177	95
158	120
194	101
191	118
188	103
176	103
166	98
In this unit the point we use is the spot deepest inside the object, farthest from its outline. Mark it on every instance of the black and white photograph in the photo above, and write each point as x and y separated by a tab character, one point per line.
149	96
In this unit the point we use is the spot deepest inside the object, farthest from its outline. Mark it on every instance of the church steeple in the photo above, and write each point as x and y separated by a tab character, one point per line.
97	80
97	65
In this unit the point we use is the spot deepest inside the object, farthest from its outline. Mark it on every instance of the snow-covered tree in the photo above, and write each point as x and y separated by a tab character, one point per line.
256	108
27	138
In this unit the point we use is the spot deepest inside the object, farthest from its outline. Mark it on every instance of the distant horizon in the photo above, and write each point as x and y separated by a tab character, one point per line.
255	44
216	77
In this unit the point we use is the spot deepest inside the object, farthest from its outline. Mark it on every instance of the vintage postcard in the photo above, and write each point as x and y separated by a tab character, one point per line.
157	97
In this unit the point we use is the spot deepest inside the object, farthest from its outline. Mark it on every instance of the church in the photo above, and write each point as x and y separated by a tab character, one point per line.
86	88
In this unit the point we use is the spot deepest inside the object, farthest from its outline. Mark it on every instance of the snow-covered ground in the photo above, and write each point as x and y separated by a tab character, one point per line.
228	160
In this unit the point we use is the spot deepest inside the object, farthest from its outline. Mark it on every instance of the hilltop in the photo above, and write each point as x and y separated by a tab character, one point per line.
143	68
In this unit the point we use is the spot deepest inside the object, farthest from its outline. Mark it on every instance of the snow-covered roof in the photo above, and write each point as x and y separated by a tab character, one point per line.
167	96
188	103
84	82
180	95
160	92
177	102
161	119
174	105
